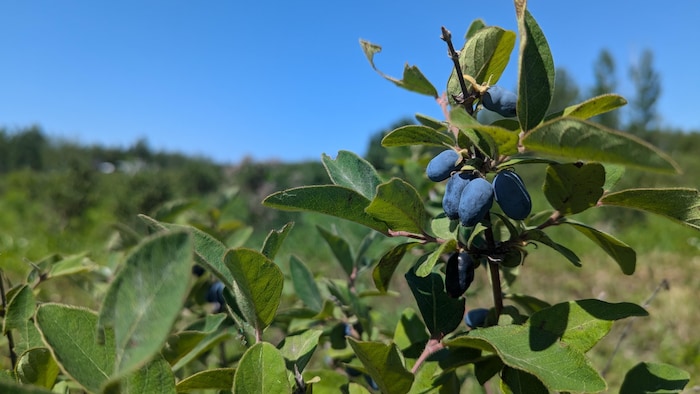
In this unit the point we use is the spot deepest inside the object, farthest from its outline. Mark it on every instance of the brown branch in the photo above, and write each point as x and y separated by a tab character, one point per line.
494	271
454	55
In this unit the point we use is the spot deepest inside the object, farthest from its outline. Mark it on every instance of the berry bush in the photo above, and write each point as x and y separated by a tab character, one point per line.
186	310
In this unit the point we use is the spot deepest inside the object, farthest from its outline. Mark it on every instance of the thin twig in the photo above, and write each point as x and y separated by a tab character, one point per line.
662	285
494	271
10	340
551	221
454	55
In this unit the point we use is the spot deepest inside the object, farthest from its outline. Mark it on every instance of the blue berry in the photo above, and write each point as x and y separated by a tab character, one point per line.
475	201
476	317
459	274
453	191
511	195
500	100
442	165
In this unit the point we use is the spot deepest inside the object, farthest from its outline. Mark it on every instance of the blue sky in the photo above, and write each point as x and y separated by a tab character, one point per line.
287	80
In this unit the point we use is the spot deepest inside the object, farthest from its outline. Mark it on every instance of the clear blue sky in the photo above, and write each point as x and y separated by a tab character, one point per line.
287	80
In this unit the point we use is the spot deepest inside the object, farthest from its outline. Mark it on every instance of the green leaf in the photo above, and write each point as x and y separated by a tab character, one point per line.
331	200
249	377
417	135
20	309
208	250
490	139
257	287
431	122
475	26
37	367
16	388
484	57
654	378
519	382
71	334
536	72
622	253
581	324
326	381
613	174
203	345
573	187
398	204
71	265
443	227
559	367
384	270
298	349
352	171
184	345
441	313
410	331
209	379
340	248
384	364
146	297
540	236
584	140
275	239
155	377
304	284
682	205
528	303
413	79
426	267
591	107
525	160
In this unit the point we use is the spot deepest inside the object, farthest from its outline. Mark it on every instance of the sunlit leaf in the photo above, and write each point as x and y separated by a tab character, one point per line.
351	171
304	284
398	204
37	367
654	378
682	205
258	285
584	140
249	377
417	135
536	72
209	379
591	107
146	297
331	200
622	253
413	79
275	239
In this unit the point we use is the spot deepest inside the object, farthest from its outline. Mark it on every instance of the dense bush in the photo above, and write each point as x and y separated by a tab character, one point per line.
186	308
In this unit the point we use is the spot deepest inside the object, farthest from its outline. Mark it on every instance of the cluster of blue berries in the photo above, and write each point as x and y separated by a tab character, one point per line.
469	197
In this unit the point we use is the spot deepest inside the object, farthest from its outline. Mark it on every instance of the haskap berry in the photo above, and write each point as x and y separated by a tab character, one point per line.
475	201
442	165
476	317
511	195
500	100
453	192
459	274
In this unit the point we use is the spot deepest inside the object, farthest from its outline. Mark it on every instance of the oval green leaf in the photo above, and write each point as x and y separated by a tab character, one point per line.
536	72
384	364
622	253
681	205
261	370
258	285
417	135
573	187
146	297
352	171
583	140
332	200
399	205
209	379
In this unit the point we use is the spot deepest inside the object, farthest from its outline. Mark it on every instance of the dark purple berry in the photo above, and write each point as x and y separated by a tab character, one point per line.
442	165
476	317
511	195
475	201
453	192
500	100
459	274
